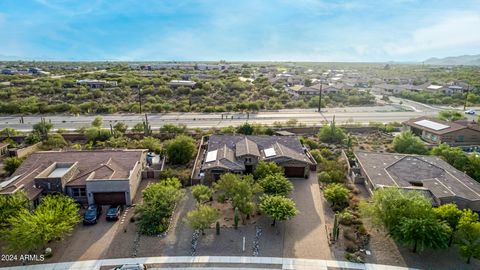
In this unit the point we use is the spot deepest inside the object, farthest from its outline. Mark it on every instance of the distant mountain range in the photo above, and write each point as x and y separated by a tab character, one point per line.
472	60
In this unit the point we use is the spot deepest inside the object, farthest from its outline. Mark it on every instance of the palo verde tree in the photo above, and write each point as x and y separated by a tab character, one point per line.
43	128
276	184
202	217
264	169
53	219
331	134
468	236
180	150
451	215
278	207
12	205
158	202
11	164
407	143
408	217
240	191
202	193
450	115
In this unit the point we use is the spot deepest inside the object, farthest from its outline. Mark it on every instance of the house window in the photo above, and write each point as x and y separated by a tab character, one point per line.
461	138
79	192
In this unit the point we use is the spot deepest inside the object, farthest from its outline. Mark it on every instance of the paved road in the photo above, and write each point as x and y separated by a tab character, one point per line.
394	112
212	262
204	120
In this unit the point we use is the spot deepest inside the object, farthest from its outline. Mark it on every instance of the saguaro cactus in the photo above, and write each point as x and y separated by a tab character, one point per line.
335	230
235	219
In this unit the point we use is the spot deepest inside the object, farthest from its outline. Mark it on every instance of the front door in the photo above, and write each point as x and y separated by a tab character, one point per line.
248	169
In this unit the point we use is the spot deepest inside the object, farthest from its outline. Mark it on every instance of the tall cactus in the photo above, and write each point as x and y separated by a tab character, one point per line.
235	218
147	129
335	230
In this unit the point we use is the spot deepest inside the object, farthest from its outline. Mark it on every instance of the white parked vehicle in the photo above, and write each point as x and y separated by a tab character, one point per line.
470	111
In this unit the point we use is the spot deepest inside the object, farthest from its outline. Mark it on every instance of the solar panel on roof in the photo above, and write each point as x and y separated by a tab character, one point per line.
431	125
211	156
269	152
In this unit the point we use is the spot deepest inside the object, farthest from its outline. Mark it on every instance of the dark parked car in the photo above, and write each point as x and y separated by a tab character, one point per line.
113	212
136	266
92	214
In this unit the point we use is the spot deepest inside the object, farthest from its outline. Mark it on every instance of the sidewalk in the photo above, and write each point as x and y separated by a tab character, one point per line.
201	262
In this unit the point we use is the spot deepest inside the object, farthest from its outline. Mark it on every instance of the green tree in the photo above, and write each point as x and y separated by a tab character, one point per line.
158	202
456	157
138	127
331	134
202	217
450	115
54	218
263	169
97	122
389	205
408	217
95	134
246	129
180	150
152	144
56	141
276	184
32	138
278	207
407	143
202	193
11	205
468	235
42	128
8	132
451	215
11	164
240	190
120	128
422	232
337	195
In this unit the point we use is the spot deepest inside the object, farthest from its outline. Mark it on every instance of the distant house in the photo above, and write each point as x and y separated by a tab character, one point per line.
178	83
96	83
436	131
302	91
100	177
431	175
241	154
9	71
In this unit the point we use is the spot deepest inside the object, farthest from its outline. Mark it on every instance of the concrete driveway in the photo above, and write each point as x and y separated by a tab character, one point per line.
93	241
305	235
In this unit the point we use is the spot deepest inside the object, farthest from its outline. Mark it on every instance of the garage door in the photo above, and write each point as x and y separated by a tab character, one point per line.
294	171
106	198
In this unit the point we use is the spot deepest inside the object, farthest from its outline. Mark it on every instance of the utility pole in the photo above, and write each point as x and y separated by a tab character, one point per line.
140	98
320	98
466	98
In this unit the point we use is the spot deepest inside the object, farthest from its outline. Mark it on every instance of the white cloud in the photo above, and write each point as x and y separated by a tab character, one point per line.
457	30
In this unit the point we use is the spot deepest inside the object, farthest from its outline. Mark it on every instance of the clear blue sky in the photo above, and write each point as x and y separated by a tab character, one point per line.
249	30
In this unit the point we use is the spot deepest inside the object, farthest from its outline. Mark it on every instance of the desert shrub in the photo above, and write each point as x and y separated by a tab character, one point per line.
349	234
324	177
347	218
